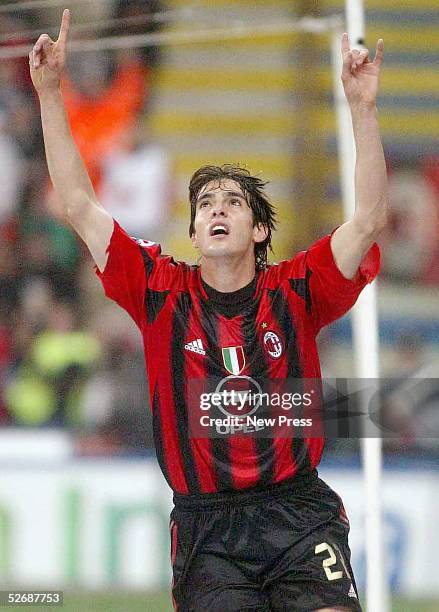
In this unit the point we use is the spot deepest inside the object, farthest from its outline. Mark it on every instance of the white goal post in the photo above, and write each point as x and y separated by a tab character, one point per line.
364	326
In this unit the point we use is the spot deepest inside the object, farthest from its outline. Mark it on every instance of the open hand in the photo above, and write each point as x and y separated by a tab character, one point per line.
47	58
360	76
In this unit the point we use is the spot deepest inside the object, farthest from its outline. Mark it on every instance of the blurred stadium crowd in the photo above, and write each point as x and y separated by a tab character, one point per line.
67	356
65	360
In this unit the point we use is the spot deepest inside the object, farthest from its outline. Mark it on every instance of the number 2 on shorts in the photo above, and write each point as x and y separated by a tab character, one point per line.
329	561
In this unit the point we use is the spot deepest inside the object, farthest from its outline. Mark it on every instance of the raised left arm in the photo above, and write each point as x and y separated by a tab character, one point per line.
353	239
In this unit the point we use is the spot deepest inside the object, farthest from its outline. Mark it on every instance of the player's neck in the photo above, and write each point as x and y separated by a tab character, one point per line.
227	275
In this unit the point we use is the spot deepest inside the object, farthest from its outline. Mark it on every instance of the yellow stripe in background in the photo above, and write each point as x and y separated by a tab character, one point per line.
398	38
200	4
401	122
243	80
417	37
386	5
395	79
270	167
404	124
410	81
411	5
184	123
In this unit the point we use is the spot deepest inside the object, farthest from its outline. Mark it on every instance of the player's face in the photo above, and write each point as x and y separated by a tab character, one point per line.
224	221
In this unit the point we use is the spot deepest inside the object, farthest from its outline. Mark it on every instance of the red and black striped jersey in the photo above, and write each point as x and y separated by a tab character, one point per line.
191	331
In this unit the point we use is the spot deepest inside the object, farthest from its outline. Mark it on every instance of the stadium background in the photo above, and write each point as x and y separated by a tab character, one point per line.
82	506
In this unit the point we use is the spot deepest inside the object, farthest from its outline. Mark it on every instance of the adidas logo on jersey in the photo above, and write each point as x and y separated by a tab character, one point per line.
196	346
352	592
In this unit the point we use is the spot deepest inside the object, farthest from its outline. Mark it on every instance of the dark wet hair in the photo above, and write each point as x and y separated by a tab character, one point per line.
253	190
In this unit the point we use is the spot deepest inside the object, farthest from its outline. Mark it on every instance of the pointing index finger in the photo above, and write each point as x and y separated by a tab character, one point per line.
64	29
345	48
379	52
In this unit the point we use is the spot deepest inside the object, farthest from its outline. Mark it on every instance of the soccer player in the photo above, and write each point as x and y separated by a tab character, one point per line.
253	527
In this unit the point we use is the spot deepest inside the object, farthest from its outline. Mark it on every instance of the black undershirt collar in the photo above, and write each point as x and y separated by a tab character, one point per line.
232	303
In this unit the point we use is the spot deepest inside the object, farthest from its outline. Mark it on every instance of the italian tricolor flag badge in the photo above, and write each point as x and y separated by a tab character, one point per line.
234	359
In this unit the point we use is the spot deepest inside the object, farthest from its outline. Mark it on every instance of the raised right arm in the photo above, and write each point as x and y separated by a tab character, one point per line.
66	168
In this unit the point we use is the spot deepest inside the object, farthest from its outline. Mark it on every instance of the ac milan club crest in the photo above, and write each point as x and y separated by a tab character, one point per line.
234	359
273	344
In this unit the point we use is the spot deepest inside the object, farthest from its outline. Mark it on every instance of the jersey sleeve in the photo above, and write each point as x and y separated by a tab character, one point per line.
129	268
332	295
314	275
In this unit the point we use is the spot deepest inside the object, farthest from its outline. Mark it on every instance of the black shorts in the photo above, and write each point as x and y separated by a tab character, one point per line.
280	548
